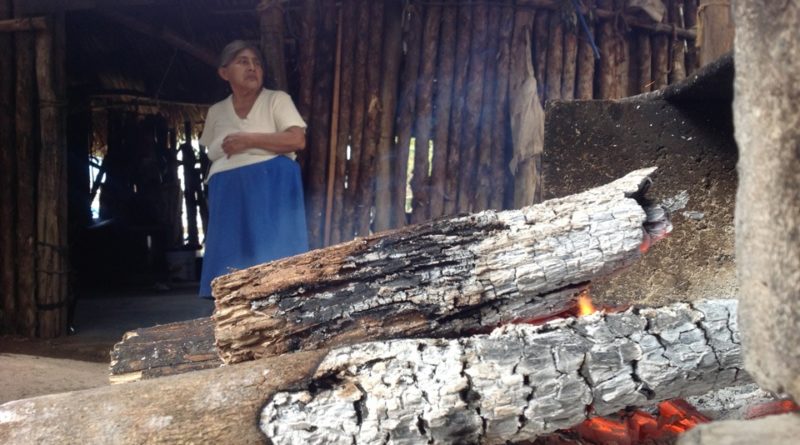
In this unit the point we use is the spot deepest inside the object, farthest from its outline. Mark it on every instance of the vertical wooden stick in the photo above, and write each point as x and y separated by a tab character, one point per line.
586	63
26	185
444	95
678	53
319	125
488	132
272	37
420	181
472	110
608	62
459	103
555	58
8	182
570	64
541	30
305	70
715	28
372	121
502	125
392	55
645	61
349	21
690	19
337	74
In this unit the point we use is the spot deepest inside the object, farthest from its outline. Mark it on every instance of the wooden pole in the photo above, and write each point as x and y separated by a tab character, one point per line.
555	58
305	70
318	145
334	135
272	37
690	18
420	181
473	107
500	140
26	185
191	187
405	110
392	56
660	49
349	21
488	132
444	95
8	181
570	64
455	134
51	217
586	63
22	24
678	52
541	33
357	115
608	63
715	29
645	62
366	185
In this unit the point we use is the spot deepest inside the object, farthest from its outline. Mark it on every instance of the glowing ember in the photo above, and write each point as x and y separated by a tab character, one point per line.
772	408
585	306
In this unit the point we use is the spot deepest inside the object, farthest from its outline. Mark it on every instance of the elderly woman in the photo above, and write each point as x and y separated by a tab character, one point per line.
256	211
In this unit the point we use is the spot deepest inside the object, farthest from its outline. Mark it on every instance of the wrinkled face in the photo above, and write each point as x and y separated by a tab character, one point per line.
244	71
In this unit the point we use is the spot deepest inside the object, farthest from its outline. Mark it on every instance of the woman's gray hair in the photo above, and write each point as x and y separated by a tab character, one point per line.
232	49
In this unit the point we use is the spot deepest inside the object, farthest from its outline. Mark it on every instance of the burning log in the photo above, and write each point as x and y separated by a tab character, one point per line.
446	277
512	385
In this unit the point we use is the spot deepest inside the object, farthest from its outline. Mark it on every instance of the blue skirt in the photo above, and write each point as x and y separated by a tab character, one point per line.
256	215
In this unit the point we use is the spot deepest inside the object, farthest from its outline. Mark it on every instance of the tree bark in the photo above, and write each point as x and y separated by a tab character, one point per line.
473	109
444	96
8	182
392	56
420	181
513	385
26	185
366	186
445	277
163	350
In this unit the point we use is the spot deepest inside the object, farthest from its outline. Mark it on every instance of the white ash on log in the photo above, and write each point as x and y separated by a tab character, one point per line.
513	385
448	277
523	379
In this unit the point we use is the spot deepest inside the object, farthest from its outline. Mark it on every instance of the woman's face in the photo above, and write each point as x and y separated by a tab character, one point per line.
244	71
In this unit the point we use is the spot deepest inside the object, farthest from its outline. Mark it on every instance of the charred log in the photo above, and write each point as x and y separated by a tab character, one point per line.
447	277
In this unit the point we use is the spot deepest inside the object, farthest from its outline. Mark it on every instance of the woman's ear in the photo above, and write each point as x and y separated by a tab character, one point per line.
223	73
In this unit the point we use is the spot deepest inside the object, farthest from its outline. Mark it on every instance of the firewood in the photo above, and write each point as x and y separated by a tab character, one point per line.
450	276
513	385
163	350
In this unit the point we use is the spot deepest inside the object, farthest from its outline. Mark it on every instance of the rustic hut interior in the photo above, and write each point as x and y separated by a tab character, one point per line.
443	137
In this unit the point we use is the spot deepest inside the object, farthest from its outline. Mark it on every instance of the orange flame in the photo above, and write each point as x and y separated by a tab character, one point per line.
585	306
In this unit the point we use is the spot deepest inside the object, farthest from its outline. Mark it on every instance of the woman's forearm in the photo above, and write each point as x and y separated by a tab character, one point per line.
287	141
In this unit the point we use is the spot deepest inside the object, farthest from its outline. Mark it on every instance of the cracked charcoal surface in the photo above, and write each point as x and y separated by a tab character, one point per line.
514	384
446	277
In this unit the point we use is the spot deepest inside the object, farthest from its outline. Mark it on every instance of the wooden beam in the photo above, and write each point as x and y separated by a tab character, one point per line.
26	24
50	6
163	34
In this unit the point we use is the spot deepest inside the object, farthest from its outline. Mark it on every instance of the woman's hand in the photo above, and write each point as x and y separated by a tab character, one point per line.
236	143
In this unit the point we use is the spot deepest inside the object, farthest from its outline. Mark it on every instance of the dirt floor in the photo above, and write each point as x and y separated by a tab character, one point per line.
31	368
